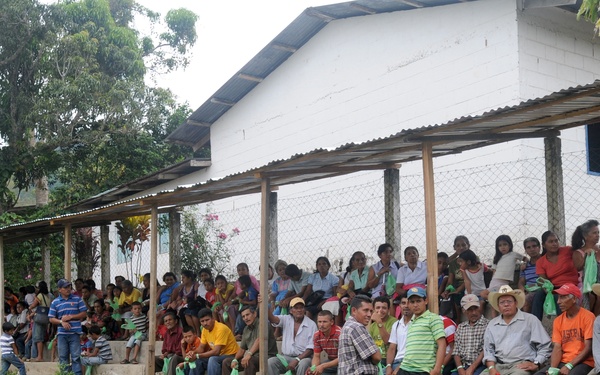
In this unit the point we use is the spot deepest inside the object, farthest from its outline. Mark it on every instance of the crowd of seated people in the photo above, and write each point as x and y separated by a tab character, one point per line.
213	321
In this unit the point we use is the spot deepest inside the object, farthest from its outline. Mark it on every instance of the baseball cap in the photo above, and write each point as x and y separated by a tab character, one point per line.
296	301
63	283
468	301
416	291
568	288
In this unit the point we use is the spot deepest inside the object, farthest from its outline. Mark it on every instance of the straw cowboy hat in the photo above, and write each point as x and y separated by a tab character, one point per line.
596	289
506	290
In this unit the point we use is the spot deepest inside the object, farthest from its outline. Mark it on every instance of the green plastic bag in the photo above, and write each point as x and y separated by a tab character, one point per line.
129	325
284	363
380	365
390	284
88	370
51	343
549	304
179	371
591	272
165	368
235	371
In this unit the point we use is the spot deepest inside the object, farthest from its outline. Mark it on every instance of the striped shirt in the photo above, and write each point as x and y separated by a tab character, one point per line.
103	347
421	342
328	344
141	322
72	305
6	342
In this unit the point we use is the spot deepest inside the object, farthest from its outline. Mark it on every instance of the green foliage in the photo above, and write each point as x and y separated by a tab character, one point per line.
133	233
63	370
204	242
86	252
74	104
589	11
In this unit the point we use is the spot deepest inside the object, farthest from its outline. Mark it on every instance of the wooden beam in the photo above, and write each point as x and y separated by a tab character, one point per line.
249	77
430	228
332	169
68	240
201	142
283	47
200	163
221	101
153	289
198	123
441	139
265	218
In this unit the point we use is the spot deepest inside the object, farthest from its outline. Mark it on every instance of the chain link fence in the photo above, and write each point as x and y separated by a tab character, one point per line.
481	203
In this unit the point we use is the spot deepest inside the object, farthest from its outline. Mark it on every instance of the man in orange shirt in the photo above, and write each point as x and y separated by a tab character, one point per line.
571	335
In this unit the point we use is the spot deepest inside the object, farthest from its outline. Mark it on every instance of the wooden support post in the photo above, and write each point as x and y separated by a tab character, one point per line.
2	276
430	228
175	241
104	256
68	250
391	196
47	274
273	234
265	220
555	200
153	289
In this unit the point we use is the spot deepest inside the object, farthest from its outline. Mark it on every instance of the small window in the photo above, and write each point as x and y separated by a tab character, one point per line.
593	148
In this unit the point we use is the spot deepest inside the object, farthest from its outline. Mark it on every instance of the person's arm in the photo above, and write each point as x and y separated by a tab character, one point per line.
15	350
476	363
578	259
556	355
305	291
294	363
376	357
584	354
450	281
521	284
448	357
215	351
272	318
439	357
466	281
372	278
390	355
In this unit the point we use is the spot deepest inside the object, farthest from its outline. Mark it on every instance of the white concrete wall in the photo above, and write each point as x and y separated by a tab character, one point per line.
368	77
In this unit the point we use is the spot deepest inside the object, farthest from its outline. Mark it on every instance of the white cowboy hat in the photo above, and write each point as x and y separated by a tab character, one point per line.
506	290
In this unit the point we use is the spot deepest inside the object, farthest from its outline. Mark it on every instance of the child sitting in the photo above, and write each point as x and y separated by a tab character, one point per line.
473	275
189	346
209	285
100	353
8	346
135	340
248	297
85	342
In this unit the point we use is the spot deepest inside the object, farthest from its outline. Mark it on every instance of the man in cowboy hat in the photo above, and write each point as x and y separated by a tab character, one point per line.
571	334
514	343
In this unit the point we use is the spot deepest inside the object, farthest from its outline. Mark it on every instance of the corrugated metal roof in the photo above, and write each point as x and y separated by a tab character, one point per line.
195	132
535	118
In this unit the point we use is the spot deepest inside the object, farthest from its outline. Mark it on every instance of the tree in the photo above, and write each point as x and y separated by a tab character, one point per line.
133	233
589	11
87	254
72	80
204	241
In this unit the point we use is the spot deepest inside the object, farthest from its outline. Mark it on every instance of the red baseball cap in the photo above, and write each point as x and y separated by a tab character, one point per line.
568	288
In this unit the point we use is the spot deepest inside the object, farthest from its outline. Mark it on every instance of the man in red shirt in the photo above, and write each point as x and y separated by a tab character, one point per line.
326	339
171	344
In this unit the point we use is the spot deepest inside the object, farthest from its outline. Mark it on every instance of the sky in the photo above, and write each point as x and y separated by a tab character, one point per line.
230	33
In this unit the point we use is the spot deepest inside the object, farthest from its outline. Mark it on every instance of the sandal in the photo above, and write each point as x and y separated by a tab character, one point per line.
134	362
125	362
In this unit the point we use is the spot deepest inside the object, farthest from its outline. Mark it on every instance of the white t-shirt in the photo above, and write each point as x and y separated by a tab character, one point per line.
398	337
505	269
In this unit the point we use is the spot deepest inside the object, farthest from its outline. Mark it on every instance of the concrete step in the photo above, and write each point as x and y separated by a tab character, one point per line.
50	368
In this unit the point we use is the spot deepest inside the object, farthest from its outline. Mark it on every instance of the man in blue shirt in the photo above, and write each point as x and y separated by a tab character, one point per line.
67	311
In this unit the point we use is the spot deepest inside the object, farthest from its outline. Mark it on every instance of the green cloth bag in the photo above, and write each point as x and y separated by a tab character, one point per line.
591	273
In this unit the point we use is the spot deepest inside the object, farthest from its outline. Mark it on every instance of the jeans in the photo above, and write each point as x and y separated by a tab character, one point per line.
20	342
212	365
276	367
93	361
11	359
69	346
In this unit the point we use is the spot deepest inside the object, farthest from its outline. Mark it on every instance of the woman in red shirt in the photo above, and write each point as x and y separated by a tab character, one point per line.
557	266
